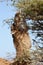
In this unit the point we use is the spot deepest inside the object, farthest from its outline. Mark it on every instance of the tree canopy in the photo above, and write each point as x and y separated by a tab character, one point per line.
32	8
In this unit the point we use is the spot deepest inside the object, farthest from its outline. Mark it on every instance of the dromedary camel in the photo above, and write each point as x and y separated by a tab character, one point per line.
20	36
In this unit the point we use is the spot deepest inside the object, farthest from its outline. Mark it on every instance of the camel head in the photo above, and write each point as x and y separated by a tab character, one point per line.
20	22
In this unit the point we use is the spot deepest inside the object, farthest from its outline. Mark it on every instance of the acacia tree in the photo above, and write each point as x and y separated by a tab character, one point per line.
33	10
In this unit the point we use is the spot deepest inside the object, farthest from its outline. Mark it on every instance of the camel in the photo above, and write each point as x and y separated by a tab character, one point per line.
21	39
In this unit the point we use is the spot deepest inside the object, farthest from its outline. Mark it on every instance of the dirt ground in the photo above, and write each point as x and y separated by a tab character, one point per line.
4	62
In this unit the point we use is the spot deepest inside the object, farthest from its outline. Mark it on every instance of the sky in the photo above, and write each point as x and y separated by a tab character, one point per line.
6	42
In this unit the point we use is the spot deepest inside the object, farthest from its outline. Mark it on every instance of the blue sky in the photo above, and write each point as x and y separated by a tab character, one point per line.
6	41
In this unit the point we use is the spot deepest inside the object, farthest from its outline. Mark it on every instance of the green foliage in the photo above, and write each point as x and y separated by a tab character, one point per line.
33	8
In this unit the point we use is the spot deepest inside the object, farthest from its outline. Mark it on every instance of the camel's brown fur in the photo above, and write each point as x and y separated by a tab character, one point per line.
21	38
